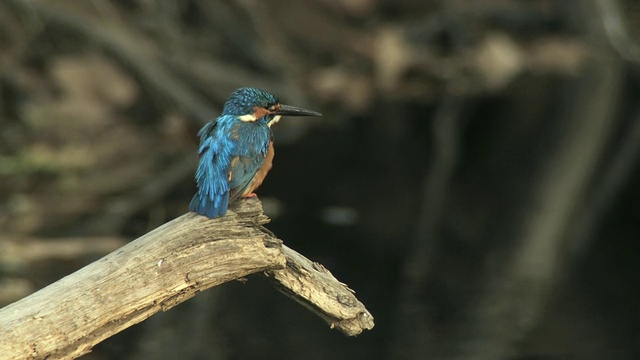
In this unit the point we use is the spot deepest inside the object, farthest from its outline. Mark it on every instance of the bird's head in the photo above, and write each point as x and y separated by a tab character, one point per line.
251	104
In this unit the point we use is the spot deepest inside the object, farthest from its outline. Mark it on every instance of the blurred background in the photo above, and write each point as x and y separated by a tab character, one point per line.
474	178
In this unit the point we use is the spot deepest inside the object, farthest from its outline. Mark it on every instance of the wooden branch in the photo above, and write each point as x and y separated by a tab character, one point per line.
313	286
160	270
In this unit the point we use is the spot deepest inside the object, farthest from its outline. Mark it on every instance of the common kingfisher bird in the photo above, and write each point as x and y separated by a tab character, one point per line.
236	149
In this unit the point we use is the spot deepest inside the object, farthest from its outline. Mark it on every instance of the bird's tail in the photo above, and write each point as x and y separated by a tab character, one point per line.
211	208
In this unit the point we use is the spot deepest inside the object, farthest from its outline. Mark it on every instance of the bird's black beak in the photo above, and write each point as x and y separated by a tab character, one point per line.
288	110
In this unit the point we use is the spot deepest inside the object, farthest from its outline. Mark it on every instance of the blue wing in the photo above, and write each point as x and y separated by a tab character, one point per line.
231	153
243	170
246	170
212	197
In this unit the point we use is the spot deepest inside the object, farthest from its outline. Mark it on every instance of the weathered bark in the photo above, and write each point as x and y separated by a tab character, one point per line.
313	286
160	270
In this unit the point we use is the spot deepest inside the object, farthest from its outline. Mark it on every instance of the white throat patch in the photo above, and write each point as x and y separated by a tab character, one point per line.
274	120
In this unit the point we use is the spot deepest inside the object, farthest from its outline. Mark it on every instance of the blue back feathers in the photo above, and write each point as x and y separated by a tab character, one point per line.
231	151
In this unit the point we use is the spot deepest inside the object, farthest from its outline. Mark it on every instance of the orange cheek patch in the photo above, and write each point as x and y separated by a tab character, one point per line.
259	112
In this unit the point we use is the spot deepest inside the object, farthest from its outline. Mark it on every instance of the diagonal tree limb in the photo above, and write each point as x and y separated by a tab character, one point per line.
314	287
164	268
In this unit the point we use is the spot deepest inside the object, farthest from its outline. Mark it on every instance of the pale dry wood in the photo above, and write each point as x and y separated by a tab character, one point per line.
313	286
160	270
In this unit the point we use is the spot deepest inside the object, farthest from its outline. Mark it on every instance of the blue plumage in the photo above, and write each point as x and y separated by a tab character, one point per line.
236	149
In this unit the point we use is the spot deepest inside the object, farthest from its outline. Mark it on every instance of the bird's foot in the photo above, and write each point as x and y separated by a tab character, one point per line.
250	195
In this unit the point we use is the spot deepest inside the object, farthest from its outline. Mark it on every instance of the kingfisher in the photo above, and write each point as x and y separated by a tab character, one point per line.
236	149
